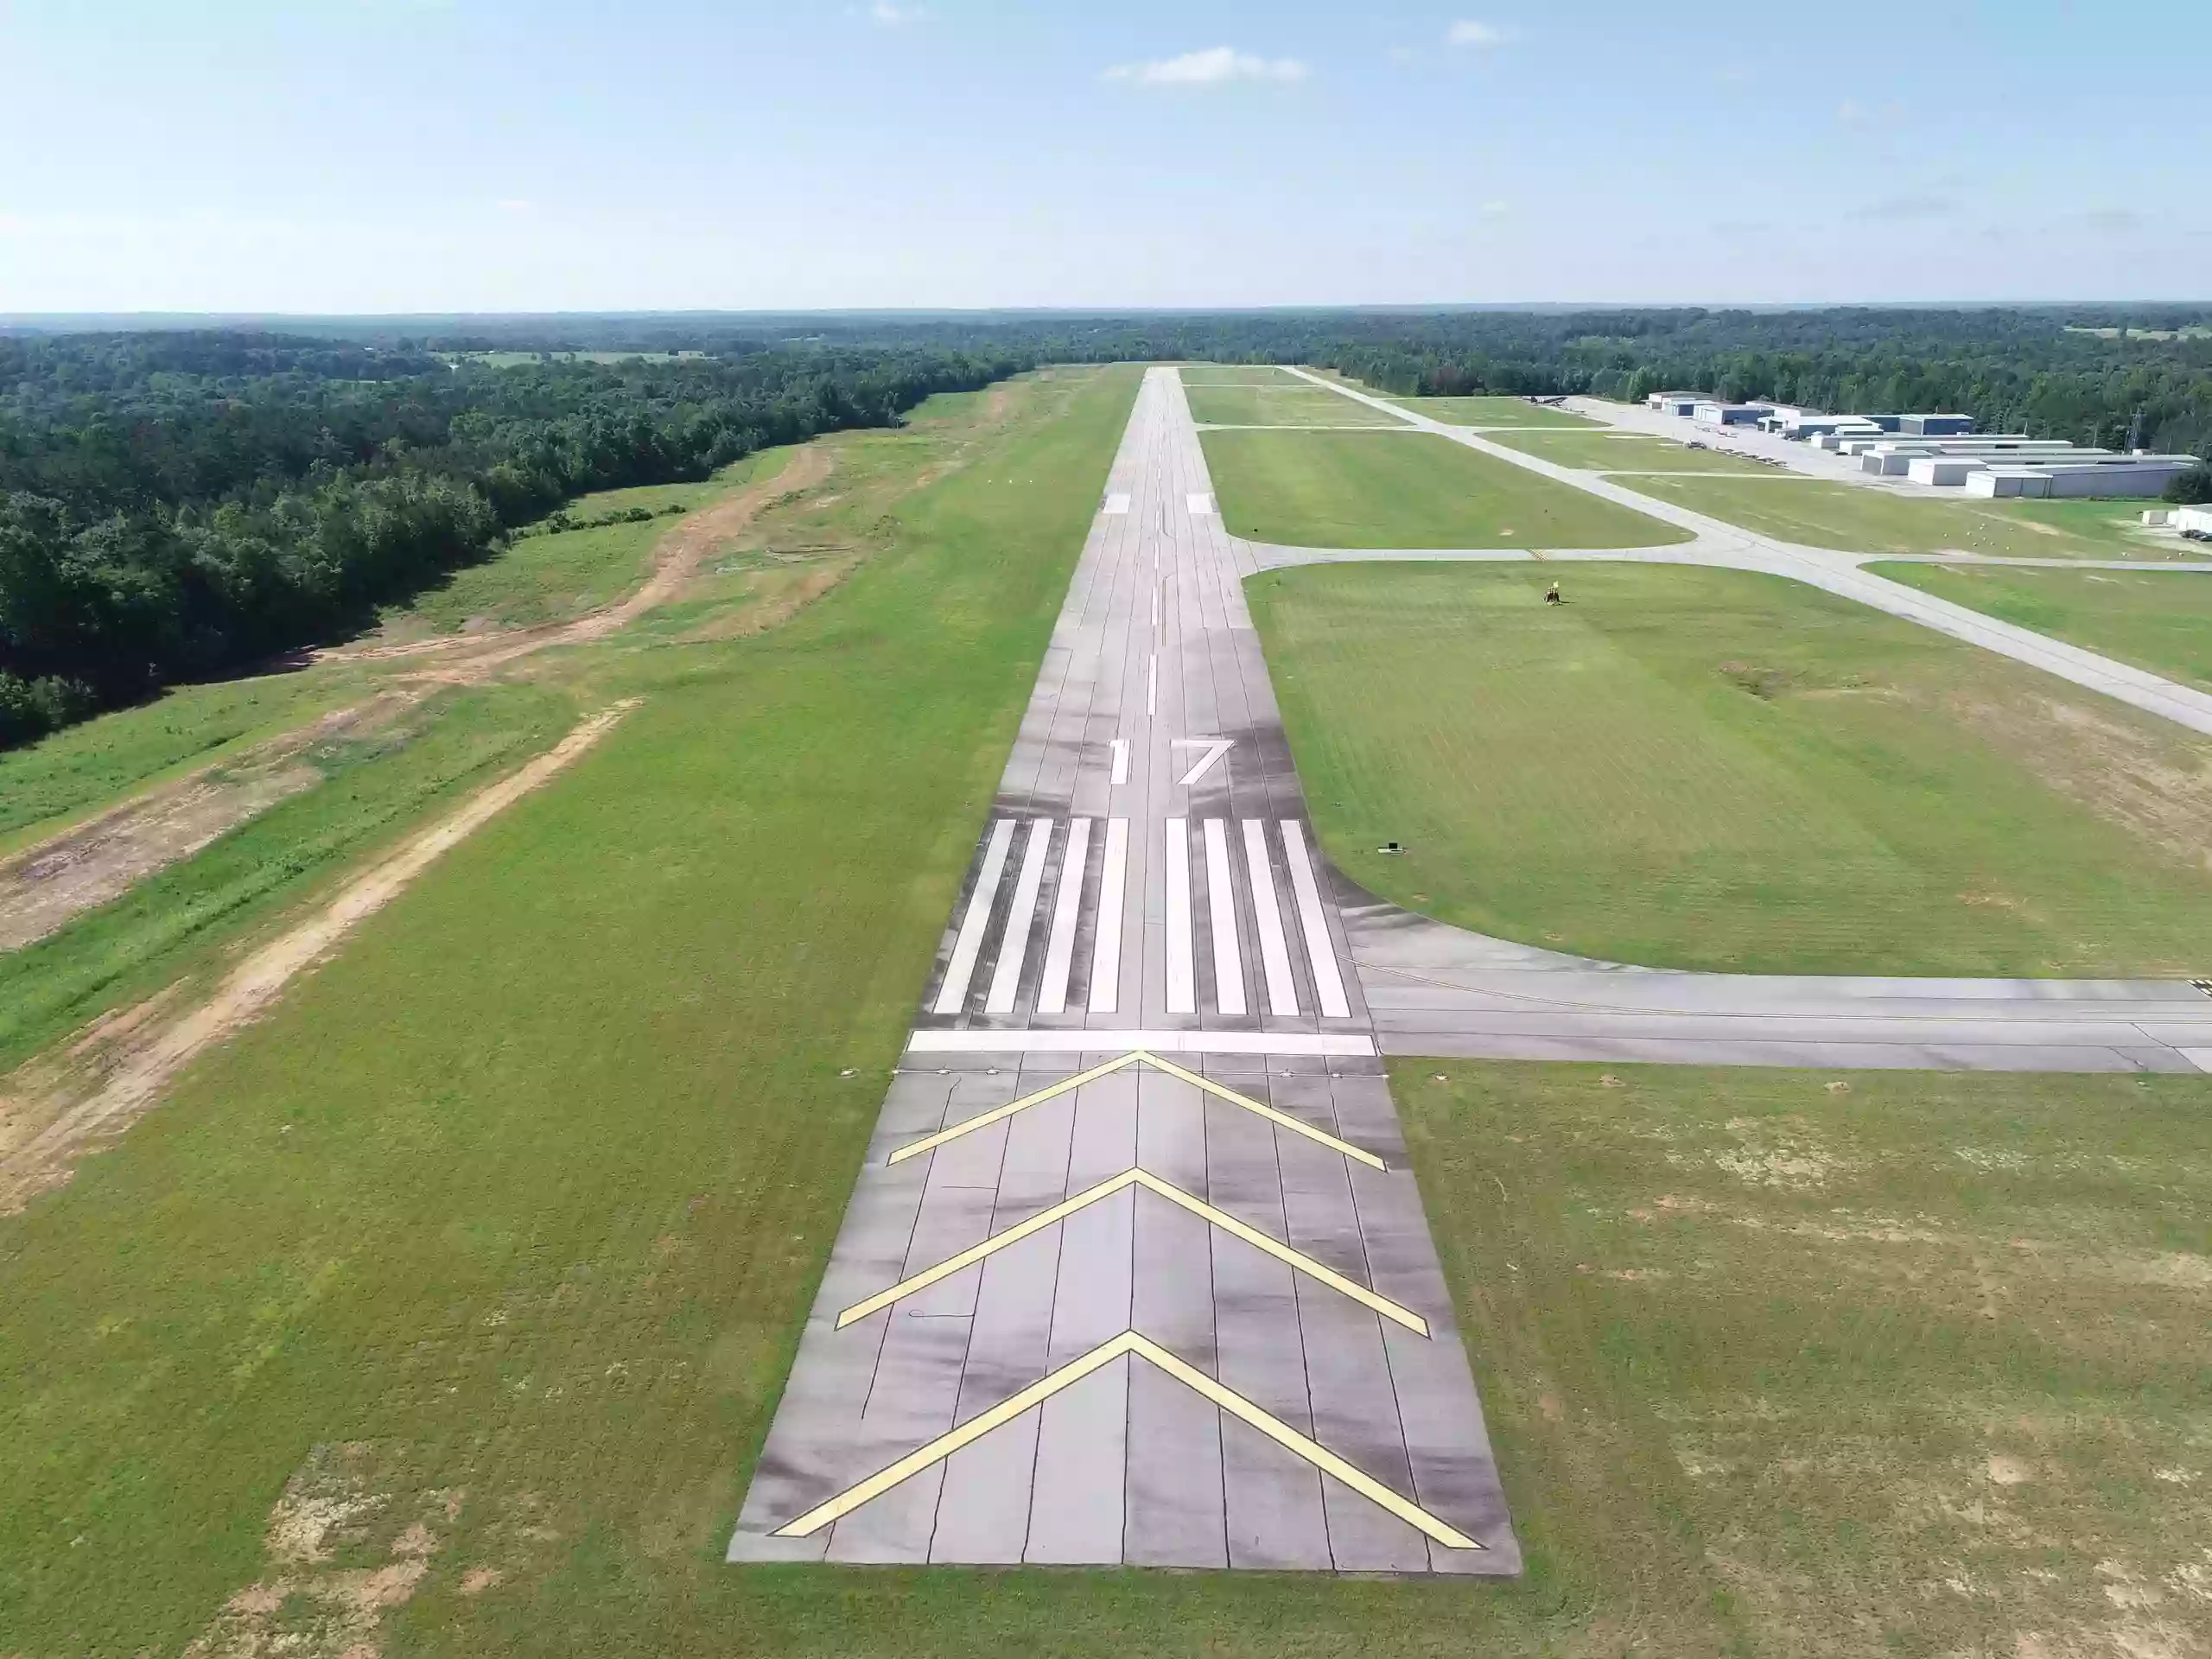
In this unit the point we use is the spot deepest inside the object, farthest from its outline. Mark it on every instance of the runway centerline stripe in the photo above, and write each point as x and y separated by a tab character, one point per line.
1152	684
1014	944
1120	746
1151	1182
1136	1056
952	995
1182	986
1320	950
1129	1343
1275	947
1067	901
1106	939
1221	907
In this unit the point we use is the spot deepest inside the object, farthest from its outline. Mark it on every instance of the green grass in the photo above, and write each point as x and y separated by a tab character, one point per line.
1627	452
87	767
375	786
1491	411
2161	620
1388	489
1720	770
1922	1367
1237	374
1299	405
1861	519
550	578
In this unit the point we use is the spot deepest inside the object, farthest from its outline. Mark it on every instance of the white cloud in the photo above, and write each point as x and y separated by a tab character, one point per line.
1495	209
1476	37
892	14
1211	68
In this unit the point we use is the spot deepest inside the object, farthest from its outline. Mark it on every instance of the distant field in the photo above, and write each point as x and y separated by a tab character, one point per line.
2157	620
1783	1364
1711	769
1491	411
1627	452
1858	519
1297	405
1237	374
1353	489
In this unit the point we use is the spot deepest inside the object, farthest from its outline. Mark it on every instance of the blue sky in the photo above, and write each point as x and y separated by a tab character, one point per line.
491	154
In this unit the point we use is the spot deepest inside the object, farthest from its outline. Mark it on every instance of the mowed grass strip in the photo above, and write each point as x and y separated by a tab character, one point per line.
1492	411
1793	1363
1859	519
1393	489
2161	620
1627	452
1292	405
1718	770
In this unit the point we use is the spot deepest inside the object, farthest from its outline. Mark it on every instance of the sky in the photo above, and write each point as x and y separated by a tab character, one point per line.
411	155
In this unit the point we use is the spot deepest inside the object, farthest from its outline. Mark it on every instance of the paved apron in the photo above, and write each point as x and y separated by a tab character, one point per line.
1135	1272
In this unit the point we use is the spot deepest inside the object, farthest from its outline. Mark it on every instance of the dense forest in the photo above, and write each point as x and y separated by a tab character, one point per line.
179	503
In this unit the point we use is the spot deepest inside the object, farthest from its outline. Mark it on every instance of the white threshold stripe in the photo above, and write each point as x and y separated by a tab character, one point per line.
1182	985
1328	983
1221	910
1289	1044
1014	944
1275	948
1067	899
1106	945
952	995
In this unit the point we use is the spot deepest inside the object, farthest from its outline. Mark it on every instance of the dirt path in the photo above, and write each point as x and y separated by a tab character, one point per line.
43	1133
46	885
677	560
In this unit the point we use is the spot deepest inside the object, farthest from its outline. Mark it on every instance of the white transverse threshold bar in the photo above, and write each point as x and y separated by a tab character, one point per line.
1067	900
1014	944
1106	942
1221	909
1343	1045
952	995
1274	949
1182	987
1328	983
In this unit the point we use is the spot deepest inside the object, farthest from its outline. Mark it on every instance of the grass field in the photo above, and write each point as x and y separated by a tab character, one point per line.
179	920
1777	1364
2159	620
1713	769
1293	405
1352	489
1491	411
1858	519
1605	452
88	766
1237	374
550	578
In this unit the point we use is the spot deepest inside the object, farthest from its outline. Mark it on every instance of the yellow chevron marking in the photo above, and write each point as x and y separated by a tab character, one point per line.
1282	1120
1174	1194
1073	1372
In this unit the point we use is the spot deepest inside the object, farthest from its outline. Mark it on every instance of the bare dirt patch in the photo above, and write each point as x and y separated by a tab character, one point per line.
775	602
46	885
83	1107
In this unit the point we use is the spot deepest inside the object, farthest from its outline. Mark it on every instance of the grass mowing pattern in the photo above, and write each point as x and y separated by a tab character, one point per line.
1857	518
1491	411
1713	769
1237	374
1290	405
374	789
1391	489
2161	621
1603	452
1922	1365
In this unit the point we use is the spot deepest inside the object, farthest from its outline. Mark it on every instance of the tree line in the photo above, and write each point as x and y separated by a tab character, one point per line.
178	506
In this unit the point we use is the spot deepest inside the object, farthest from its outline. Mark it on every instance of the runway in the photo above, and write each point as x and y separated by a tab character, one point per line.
1135	1272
